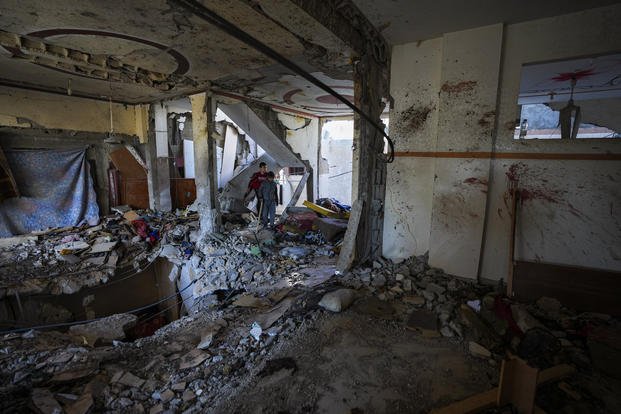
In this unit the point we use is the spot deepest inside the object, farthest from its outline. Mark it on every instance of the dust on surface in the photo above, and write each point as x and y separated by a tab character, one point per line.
352	362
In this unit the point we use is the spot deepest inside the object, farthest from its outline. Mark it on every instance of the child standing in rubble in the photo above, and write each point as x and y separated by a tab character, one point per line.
269	193
255	183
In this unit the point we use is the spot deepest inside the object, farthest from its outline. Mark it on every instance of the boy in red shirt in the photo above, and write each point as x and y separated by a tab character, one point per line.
255	183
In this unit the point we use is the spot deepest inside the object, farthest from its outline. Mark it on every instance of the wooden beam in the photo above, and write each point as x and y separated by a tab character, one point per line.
488	399
518	385
348	248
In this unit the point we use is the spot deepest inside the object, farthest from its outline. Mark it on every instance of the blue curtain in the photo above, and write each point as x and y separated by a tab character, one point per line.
56	191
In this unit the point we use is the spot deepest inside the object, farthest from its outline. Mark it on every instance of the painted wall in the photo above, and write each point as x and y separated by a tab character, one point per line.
570	209
303	140
455	102
30	109
335	165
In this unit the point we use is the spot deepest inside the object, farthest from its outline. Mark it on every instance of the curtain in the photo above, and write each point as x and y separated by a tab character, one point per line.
56	191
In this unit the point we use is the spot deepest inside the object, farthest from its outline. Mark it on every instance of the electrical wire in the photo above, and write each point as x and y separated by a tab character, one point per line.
65	324
215	19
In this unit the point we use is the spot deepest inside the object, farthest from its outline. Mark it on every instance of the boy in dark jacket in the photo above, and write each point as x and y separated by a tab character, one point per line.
269	193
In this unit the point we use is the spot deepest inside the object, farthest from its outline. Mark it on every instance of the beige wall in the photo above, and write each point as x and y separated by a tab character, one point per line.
448	92
31	109
304	141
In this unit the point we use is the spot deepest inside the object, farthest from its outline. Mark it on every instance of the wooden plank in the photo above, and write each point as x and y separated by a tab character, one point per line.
348	248
555	373
488	399
130	148
583	289
125	162
134	193
183	191
518	385
513	214
472	404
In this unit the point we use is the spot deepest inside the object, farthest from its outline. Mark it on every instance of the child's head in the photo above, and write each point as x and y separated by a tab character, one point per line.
263	167
270	175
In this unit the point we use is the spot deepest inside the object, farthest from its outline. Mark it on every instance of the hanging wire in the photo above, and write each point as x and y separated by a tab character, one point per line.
213	18
66	324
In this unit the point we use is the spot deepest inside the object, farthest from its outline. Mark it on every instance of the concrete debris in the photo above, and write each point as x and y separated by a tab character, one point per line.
103	247
331	228
247	307
83	405
338	300
193	358
295	252
106	329
207	337
524	319
44	402
131	380
251	301
256	331
478	350
65	260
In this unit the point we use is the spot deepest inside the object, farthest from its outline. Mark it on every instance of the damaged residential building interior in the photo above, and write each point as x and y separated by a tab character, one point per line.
305	206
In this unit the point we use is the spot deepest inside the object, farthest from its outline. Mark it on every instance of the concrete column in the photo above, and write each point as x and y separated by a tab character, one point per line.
205	162
163	163
369	171
158	173
151	160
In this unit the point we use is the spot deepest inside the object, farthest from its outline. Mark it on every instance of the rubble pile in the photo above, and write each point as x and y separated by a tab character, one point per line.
245	260
489	324
253	291
189	364
62	261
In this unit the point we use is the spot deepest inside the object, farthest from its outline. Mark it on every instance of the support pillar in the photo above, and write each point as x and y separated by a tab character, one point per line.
151	161
158	171
203	121
369	182
163	161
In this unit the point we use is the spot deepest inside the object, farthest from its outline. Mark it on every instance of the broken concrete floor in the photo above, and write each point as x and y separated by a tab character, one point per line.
353	363
293	337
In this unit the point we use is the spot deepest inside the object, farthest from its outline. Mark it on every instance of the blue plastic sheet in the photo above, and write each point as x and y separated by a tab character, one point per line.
56	191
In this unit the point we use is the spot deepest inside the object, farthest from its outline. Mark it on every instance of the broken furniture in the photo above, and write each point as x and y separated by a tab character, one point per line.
517	387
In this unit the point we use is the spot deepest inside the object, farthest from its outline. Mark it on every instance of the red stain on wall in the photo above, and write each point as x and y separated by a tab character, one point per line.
516	170
538	194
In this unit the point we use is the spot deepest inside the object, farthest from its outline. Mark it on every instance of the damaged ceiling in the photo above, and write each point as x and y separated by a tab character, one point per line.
146	51
404	21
